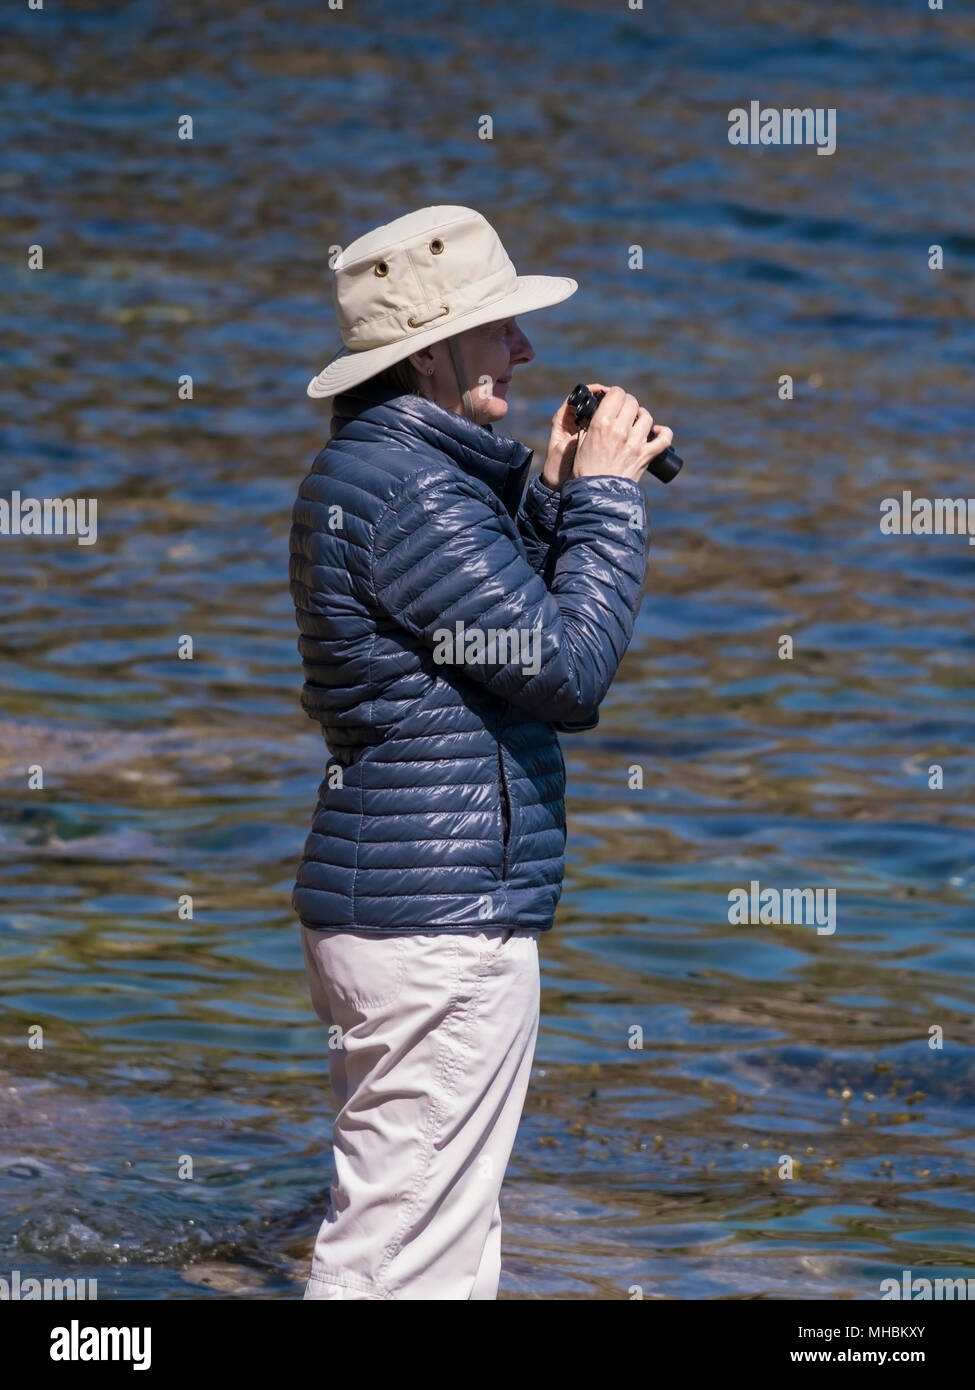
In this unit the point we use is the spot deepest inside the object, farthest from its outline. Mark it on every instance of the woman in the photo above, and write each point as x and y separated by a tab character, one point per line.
447	630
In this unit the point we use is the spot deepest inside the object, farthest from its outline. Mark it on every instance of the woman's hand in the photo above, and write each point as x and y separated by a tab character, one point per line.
561	447
616	442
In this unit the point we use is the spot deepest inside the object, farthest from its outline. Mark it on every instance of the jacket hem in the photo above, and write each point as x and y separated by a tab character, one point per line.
415	931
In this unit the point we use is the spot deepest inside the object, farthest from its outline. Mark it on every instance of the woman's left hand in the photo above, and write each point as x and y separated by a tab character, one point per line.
561	447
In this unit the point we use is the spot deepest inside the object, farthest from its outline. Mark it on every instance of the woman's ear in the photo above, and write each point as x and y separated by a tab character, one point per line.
423	361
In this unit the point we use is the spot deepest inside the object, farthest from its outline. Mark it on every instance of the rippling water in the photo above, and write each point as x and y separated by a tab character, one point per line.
164	1037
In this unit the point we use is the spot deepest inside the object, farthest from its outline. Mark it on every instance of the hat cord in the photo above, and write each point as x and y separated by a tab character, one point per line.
466	399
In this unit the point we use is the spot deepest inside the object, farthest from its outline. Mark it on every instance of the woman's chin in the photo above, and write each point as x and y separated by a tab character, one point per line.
495	409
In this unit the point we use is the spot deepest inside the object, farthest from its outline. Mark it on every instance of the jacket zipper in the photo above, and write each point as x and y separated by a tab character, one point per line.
505	814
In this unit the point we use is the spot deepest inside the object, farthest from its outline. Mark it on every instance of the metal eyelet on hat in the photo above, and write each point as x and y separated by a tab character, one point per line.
436	246
415	323
381	268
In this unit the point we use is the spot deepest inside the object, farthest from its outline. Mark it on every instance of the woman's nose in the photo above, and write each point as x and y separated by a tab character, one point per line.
522	350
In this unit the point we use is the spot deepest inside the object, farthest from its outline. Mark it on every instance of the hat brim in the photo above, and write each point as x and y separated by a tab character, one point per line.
348	369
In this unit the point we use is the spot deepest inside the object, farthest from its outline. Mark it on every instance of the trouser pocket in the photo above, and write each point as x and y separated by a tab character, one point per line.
365	970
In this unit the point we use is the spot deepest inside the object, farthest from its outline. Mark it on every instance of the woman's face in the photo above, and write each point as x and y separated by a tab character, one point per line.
491	352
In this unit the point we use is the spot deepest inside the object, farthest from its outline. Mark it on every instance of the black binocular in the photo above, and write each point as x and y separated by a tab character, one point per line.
583	402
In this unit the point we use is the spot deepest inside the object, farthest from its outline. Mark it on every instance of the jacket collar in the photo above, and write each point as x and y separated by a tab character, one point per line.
480	450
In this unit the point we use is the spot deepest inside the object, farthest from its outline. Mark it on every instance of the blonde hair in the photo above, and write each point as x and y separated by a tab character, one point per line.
401	379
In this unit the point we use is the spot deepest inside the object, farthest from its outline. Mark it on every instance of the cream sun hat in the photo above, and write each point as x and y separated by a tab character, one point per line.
418	280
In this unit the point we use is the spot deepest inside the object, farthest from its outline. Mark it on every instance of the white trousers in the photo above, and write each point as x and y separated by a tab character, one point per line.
431	1040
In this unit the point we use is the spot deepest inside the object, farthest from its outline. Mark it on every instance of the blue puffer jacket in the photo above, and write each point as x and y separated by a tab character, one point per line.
443	804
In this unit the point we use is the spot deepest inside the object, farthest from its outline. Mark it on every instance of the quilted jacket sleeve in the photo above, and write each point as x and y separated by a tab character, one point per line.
446	553
537	521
